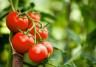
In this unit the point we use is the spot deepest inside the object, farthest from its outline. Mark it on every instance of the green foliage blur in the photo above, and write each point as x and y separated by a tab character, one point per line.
72	31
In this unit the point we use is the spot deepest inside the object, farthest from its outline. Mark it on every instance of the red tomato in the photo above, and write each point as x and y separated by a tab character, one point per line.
35	16
38	53
21	42
14	22
49	47
43	34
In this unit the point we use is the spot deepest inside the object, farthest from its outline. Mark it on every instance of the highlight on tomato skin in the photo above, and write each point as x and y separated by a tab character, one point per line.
38	53
15	23
22	43
42	34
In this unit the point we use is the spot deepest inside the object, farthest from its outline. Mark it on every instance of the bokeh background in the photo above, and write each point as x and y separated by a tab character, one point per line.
72	31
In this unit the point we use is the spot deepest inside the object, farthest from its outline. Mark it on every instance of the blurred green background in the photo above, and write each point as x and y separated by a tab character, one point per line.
72	31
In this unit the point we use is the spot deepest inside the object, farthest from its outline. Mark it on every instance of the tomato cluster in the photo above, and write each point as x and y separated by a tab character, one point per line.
29	35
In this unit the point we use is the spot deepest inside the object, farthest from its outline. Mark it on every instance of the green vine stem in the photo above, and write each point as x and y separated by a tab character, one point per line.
45	25
10	52
12	6
35	32
15	59
39	35
15	3
34	26
9	62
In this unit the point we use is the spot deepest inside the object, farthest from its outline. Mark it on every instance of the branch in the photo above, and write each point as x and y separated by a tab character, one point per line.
17	59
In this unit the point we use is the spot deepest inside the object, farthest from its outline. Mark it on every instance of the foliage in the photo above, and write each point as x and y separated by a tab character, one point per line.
71	30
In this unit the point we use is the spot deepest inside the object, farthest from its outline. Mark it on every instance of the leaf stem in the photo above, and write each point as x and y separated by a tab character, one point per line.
12	6
45	25
35	33
16	2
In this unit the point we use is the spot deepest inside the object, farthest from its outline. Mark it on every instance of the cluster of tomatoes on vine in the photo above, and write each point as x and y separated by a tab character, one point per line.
29	35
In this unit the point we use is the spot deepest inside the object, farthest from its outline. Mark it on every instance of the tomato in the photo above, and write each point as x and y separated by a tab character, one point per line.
16	23
38	53
35	16
22	43
49	47
43	33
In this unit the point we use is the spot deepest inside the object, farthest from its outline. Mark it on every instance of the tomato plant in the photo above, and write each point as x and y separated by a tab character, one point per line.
72	31
28	34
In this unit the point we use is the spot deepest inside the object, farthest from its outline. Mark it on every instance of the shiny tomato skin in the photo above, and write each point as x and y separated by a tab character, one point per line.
22	43
49	47
43	33
38	53
16	23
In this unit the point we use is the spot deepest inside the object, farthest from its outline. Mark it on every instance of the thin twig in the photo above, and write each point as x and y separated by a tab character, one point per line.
13	50
12	6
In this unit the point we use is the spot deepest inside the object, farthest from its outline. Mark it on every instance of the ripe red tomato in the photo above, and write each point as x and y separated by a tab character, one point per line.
49	47
14	22
21	42
43	34
38	53
35	16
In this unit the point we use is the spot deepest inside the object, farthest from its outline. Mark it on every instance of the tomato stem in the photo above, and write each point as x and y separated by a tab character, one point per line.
32	23
9	62
39	35
40	25
12	6
35	32
16	2
34	26
29	30
46	25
